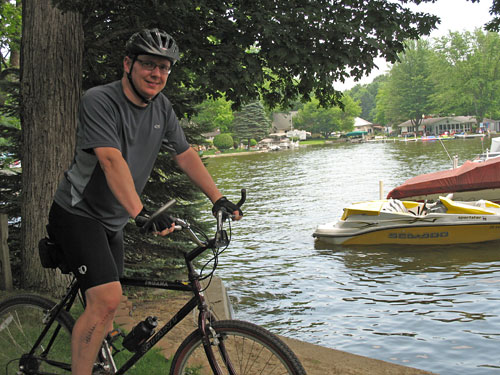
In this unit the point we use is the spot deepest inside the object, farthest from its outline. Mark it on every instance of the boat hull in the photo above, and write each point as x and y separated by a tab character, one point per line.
416	235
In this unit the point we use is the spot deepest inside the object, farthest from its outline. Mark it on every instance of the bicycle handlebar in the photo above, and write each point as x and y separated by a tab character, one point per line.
221	216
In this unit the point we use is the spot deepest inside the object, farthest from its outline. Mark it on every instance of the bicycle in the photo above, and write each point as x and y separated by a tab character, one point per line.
36	332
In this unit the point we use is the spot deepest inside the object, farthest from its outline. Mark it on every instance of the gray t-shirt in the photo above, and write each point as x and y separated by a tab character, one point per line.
108	119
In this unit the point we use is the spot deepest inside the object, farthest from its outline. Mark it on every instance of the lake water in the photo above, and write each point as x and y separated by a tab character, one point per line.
434	308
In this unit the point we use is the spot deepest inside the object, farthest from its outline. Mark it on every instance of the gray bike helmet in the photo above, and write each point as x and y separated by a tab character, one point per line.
150	42
153	42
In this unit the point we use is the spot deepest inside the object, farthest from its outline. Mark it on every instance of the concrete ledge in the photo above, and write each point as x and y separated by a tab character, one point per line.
218	300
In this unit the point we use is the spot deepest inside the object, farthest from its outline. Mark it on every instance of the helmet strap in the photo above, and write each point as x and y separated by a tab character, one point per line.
129	76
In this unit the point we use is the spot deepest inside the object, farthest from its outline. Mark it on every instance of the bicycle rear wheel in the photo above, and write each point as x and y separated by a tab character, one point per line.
22	320
242	348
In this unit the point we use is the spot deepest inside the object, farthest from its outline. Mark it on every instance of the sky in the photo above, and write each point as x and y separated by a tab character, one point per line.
456	15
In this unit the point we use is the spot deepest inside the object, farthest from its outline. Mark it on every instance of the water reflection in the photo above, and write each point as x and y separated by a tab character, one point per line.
444	258
434	308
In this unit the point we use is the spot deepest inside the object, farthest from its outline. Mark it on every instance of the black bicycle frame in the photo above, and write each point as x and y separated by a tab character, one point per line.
197	300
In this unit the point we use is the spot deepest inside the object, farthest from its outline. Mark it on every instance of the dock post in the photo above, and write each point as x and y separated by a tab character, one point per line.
381	189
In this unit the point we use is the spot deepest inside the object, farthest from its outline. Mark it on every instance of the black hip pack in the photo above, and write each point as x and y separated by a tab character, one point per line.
51	255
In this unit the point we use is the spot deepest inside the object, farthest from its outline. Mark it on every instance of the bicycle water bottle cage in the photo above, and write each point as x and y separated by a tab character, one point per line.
221	239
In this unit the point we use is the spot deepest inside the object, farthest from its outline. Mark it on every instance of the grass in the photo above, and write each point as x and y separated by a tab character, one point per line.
153	362
313	142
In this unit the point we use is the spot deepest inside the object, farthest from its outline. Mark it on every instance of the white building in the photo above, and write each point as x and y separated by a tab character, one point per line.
361	125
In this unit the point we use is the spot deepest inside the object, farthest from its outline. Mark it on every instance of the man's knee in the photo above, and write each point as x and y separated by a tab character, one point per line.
105	298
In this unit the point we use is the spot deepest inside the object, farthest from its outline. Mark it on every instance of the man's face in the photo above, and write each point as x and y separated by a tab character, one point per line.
149	74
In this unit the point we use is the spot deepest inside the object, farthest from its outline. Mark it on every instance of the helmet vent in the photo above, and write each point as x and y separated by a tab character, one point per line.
153	42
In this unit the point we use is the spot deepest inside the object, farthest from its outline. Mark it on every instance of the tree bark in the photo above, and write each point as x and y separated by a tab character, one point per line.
51	81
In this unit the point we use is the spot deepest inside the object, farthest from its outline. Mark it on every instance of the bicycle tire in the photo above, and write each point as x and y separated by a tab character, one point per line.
251	350
22	320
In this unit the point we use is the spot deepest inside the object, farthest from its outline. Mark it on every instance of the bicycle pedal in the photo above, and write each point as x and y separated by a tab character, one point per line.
114	335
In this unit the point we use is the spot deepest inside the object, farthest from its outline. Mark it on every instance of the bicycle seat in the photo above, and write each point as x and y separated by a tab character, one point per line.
51	255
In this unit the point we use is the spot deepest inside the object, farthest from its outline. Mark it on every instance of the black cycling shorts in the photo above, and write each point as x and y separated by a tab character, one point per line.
93	253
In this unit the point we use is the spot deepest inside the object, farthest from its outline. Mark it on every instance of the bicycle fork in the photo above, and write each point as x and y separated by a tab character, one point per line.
211	340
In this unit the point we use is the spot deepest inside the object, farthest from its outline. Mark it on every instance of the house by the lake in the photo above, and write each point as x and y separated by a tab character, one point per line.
450	125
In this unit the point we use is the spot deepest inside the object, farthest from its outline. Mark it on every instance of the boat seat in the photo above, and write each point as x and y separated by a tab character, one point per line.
394	205
461	208
483	203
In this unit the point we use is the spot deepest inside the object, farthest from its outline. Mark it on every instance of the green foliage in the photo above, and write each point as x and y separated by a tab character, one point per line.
317	119
494	24
10	139
253	142
458	74
214	114
10	30
468	74
10	41
408	91
223	141
251	122
252	49
366	96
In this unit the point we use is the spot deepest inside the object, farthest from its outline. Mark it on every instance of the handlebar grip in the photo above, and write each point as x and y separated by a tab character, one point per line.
243	197
145	228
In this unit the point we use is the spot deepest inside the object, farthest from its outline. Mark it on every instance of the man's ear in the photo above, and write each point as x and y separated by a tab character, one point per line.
127	63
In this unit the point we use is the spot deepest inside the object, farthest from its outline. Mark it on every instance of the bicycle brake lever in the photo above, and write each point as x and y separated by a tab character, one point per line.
221	238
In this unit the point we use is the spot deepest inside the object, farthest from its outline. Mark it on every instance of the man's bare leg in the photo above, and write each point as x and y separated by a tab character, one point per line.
93	325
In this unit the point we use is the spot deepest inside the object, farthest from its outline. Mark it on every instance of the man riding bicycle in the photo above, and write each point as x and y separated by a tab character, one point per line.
121	128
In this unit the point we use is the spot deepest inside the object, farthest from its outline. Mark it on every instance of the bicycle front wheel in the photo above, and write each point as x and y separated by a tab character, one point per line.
240	348
22	320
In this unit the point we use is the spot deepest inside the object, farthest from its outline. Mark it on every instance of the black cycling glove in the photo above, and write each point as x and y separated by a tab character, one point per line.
158	224
225	204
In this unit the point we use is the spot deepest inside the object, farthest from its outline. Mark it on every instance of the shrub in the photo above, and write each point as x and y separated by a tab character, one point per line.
223	141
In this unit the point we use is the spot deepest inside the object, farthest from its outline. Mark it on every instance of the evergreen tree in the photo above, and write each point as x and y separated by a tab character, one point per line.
251	122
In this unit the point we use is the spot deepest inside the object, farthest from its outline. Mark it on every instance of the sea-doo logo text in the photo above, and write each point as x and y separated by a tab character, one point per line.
423	236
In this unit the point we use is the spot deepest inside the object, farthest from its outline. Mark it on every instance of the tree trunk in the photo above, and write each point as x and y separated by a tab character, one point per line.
51	76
